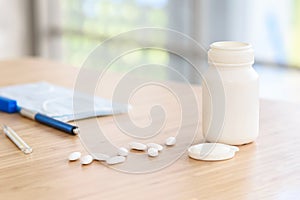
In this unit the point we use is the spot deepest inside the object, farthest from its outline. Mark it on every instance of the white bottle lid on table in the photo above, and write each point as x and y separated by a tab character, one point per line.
212	151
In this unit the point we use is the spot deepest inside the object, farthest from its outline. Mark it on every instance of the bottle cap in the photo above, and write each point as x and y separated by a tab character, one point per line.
212	151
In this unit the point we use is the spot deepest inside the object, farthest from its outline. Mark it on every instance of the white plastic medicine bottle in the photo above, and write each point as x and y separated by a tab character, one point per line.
233	62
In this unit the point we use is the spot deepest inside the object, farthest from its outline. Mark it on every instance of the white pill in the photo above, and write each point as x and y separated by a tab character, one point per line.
74	156
115	160
100	156
153	152
122	151
156	146
137	146
87	159
170	141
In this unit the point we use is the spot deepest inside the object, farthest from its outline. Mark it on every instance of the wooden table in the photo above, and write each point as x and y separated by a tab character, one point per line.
269	168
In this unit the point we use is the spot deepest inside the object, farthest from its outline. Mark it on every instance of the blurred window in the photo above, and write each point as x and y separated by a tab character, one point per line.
68	30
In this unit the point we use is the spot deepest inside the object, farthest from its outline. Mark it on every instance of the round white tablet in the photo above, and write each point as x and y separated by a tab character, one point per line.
115	160
87	159
100	156
74	156
212	151
170	141
152	152
137	146
156	146
122	151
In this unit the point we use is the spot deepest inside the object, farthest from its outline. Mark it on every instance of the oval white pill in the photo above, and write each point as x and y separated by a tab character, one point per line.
100	156
153	152
74	156
115	160
170	141
122	151
137	146
156	146
87	159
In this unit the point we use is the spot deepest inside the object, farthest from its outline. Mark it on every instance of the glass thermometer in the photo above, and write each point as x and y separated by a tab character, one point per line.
17	140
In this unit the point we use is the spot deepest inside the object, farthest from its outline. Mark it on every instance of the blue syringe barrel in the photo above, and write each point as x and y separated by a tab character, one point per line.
49	121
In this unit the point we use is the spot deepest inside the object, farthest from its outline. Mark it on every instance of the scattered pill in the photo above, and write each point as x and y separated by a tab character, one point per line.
87	159
115	160
153	152
156	146
74	156
137	146
122	151
170	141
100	156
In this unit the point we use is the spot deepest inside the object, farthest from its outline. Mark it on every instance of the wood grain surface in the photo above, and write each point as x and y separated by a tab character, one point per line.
268	168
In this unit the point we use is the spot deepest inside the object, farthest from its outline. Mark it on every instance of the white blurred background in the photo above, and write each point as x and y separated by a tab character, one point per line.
68	30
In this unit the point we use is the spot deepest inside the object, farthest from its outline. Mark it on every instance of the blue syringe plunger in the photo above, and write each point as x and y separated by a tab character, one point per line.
8	105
